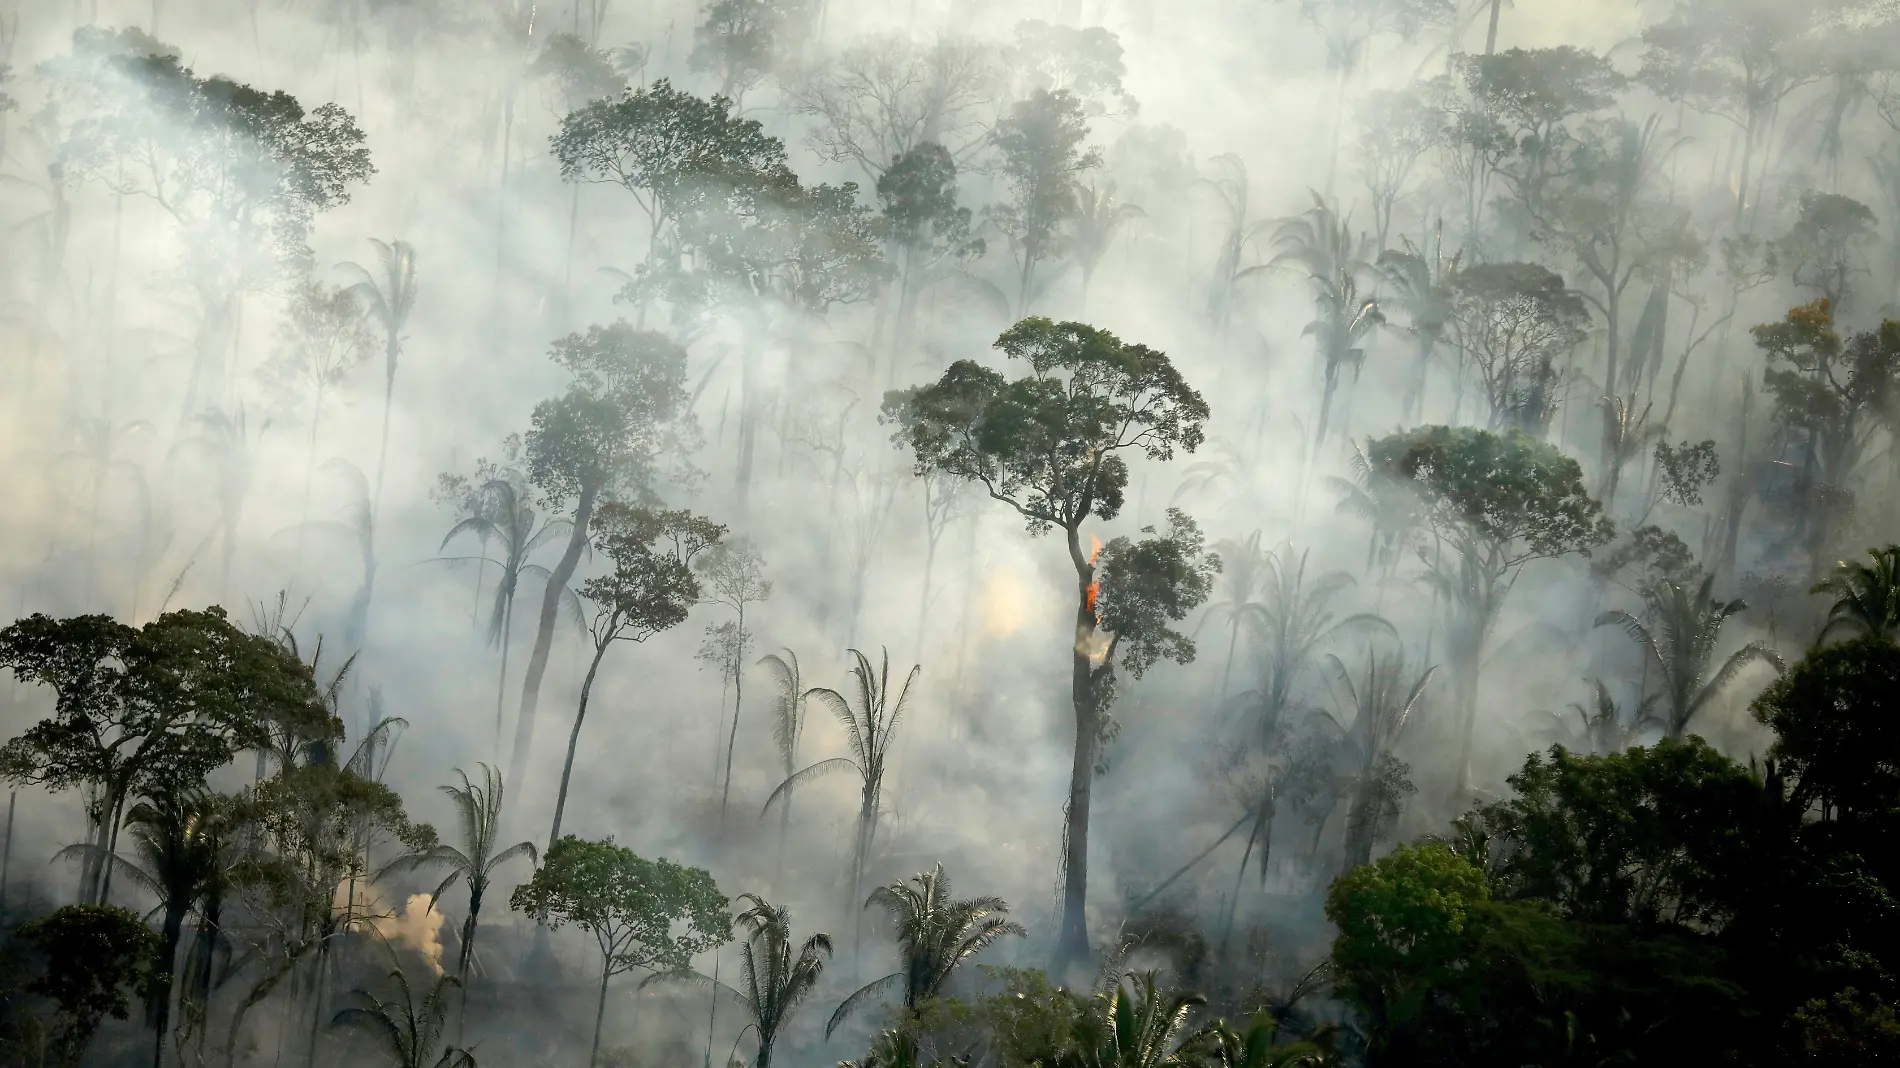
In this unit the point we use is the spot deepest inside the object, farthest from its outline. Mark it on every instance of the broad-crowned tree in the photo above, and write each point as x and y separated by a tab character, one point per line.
99	959
650	588
1831	394
1052	445
240	172
1083	61
1496	502
917	196
619	429
1826	246
1040	154
1517	323
141	710
886	95
653	915
740	42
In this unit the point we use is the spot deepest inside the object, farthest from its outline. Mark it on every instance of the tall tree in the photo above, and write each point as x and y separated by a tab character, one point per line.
651	589
740	42
1321	243
777	977
1051	446
610	437
647	914
917	195
1499	502
1382	703
734	573
391	299
789	701
870	725
1420	280
478	819
887	95
1517	323
1040	154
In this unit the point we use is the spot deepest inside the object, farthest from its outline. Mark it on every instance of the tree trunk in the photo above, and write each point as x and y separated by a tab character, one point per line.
544	636
167	956
501	684
1072	943
574	740
600	1012
738	702
748	415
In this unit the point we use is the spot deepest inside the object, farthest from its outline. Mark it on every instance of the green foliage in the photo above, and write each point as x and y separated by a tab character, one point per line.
1509	492
1679	638
917	195
1837	729
653	585
607	435
1402	924
1040	154
1866	596
411	1035
777	977
1048	444
1148	584
650	914
1647	835
98	958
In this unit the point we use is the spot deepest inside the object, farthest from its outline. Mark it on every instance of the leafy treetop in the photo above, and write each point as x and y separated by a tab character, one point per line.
644	913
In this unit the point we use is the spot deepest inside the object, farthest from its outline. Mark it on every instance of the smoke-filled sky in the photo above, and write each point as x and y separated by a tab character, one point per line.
1229	116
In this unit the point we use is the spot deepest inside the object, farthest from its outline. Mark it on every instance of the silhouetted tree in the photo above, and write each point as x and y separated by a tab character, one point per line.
478	820
1679	638
1040	155
1866	597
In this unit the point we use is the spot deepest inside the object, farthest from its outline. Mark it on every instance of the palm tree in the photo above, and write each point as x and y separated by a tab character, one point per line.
178	836
1321	243
501	515
935	933
1606	729
478	813
1866	597
1099	217
1382	706
1627	434
1238	234
788	723
1390	506
776	981
1243	565
1259	1046
1297	621
1420	282
1147	1029
1681	644
390	302
869	728
411	1035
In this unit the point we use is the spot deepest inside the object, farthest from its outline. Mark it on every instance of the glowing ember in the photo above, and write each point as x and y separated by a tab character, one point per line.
1095	587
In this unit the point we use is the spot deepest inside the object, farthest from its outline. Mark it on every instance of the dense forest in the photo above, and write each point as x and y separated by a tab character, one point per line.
949	534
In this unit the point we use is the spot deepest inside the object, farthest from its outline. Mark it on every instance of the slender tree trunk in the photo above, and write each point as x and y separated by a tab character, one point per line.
501	684
749	358
169	936
738	702
1072	945
544	636
574	740
600	1013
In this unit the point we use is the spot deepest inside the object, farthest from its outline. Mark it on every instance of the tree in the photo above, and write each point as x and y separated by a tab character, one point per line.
1085	62
649	914
935	933
1259	1046
1832	392
478	817
408	1034
917	196
870	725
1051	446
1402	924
1321	244
1145	1029
665	147
324	339
1421	281
789	700
1099	216
736	573
390	301
1515	322
1396	128
1681	640
776	981
1735	61
1239	232
885	96
1040	155
1501	501
1382	706
741	41
650	589
97	958
1826	246
605	439
497	511
239	171
1866	597
1835	731
142	710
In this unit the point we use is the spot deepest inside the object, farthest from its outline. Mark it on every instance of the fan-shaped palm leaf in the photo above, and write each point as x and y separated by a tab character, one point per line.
1866	597
1681	639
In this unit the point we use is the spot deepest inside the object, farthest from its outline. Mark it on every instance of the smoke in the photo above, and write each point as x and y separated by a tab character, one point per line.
417	927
